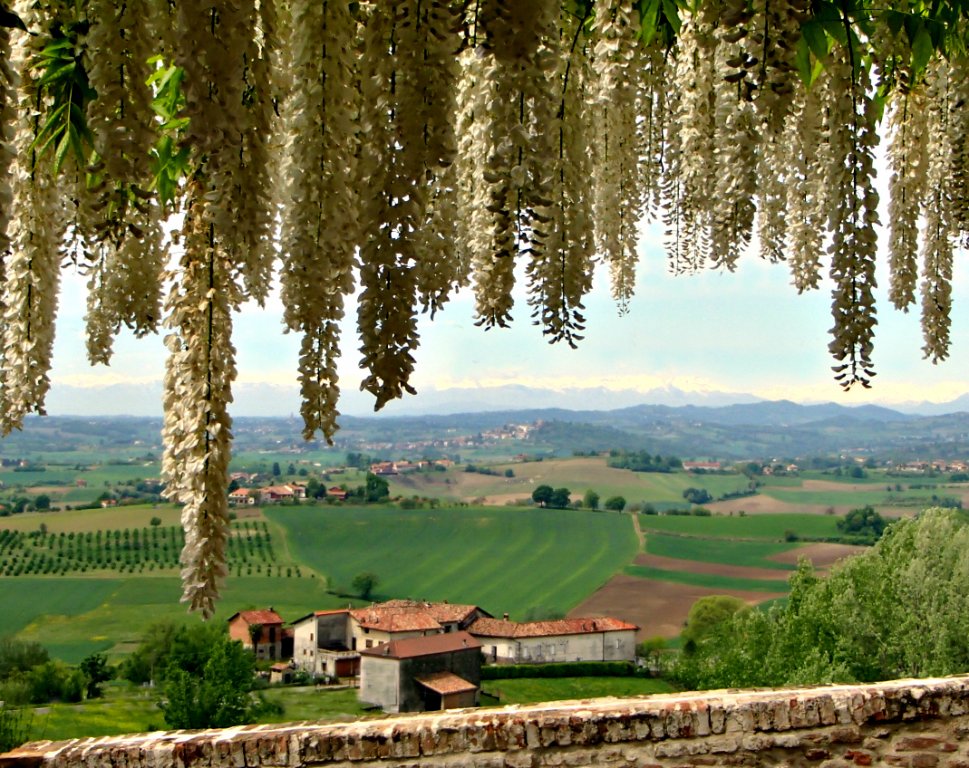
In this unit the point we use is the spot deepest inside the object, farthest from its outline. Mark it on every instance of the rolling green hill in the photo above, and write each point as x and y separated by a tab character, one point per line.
505	559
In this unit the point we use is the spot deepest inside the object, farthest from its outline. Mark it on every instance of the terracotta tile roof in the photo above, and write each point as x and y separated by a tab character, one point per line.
395	619
431	645
446	683
441	612
504	628
258	617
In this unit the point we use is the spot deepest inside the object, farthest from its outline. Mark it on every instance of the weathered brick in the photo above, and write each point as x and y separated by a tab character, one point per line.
916	743
925	760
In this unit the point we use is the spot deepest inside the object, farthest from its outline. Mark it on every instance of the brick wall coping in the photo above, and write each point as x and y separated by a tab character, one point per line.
491	736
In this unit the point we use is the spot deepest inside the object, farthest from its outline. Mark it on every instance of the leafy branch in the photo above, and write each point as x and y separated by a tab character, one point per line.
63	95
169	161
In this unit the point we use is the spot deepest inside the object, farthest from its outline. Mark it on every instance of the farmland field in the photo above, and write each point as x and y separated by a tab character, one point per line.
721	550
503	559
531	690
748	527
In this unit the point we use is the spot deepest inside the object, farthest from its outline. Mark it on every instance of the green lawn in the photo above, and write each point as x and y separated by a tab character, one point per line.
727	551
525	690
127	709
768	526
501	558
710	580
73	617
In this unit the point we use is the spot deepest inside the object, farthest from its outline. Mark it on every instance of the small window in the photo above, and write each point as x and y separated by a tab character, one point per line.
311	637
369	643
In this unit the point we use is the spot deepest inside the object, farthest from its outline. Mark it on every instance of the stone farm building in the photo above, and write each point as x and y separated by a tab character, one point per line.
330	642
593	639
439	671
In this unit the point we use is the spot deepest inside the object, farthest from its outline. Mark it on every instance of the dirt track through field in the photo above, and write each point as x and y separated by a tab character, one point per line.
718	569
659	608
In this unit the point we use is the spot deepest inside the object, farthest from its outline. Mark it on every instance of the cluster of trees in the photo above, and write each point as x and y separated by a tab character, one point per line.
206	678
697	495
864	523
643	461
900	609
556	498
29	676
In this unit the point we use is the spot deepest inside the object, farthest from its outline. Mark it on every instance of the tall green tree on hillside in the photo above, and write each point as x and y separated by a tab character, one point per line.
377	489
901	609
542	495
590	500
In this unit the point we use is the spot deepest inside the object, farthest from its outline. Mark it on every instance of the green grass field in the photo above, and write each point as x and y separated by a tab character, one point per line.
73	617
727	551
530	690
709	580
127	709
501	558
767	526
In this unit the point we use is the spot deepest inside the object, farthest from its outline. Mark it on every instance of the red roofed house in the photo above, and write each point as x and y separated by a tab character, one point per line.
592	639
336	493
259	631
441	671
328	642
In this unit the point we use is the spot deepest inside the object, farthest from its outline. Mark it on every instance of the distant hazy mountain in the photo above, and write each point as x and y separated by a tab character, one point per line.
268	400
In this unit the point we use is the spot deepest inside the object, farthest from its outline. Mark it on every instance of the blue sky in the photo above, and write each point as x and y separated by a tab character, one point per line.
746	332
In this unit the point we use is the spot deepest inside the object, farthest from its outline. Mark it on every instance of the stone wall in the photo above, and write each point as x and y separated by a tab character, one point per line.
909	723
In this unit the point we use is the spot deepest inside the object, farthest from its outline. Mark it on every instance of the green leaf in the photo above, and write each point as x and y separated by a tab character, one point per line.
922	49
817	40
649	19
894	20
61	154
672	14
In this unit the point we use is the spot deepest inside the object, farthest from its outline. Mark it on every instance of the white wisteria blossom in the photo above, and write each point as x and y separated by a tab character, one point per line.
402	149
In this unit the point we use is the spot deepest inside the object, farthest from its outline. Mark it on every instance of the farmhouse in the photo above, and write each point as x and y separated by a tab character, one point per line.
329	642
440	671
243	497
259	631
591	639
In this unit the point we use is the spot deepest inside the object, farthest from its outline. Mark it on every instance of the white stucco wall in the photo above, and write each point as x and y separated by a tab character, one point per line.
594	646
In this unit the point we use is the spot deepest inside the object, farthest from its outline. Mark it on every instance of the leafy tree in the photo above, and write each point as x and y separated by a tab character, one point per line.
864	522
590	500
55	680
155	522
96	670
291	469
276	469
542	495
559	499
707	614
148	661
615	503
697	495
364	584
315	489
18	656
42	502
897	610
214	695
377	488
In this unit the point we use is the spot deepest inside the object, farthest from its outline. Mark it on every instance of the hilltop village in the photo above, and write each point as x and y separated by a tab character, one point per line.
409	655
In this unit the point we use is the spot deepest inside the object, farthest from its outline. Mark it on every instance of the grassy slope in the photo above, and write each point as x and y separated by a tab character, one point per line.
504	559
727	551
530	690
73	617
710	580
576	474
768	526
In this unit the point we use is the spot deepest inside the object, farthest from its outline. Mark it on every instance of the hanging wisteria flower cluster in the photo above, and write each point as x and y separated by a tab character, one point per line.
415	147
